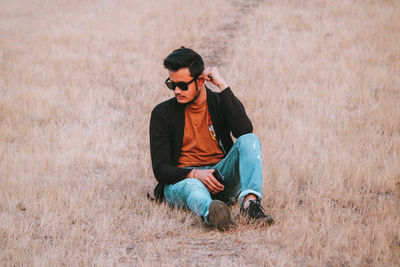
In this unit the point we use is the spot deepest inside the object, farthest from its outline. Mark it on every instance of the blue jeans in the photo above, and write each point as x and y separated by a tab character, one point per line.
242	170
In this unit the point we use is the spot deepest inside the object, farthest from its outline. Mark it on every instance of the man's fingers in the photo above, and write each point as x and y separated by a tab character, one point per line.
207	77
213	184
207	182
208	74
217	184
210	182
212	191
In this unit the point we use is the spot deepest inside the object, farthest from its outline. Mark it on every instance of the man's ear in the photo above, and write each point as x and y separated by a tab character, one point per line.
200	80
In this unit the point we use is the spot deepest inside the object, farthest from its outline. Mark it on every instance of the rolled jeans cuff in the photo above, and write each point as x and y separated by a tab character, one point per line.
246	192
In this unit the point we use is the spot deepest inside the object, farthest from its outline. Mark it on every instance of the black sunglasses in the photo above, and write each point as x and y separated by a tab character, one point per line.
182	85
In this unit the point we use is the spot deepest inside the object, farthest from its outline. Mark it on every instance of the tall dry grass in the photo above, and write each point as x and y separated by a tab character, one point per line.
78	80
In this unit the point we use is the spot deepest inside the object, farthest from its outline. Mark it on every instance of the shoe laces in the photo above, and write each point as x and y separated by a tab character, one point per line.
255	209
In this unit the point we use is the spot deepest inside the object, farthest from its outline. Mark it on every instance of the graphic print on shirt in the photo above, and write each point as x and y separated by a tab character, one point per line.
211	129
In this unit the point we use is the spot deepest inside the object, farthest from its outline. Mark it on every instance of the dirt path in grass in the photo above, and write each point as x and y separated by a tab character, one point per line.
218	45
212	247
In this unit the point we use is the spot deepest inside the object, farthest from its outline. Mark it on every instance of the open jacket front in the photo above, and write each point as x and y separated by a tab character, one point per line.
167	125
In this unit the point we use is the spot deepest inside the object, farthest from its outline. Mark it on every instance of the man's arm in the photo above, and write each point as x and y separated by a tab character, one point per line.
237	119
160	148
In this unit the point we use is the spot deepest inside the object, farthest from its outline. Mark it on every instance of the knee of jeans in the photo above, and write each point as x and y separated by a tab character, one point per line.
249	140
196	189
198	195
194	183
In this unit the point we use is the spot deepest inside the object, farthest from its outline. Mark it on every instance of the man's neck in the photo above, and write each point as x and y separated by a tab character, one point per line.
201	99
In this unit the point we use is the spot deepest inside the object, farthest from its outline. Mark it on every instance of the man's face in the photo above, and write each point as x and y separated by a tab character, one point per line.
183	75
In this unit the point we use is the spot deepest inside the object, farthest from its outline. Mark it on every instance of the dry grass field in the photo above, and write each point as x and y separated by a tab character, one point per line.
78	80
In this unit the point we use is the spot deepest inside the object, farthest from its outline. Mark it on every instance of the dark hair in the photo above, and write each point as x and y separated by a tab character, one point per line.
185	58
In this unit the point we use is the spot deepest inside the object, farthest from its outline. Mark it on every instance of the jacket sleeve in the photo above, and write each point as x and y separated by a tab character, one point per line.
236	116
160	149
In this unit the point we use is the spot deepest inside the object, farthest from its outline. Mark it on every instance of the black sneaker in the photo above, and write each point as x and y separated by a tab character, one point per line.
219	215
255	212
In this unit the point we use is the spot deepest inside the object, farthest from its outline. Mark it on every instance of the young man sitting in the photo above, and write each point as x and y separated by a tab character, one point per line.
190	139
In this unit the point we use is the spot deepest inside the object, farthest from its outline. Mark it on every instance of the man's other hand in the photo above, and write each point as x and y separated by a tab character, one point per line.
206	177
211	74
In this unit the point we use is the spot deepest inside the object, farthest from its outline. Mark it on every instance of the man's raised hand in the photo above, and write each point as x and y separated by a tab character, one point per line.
211	74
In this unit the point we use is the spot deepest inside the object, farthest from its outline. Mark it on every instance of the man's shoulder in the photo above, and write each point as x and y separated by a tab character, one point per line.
214	98
165	105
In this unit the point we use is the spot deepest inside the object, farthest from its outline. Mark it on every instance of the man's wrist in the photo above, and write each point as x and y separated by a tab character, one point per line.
222	86
191	174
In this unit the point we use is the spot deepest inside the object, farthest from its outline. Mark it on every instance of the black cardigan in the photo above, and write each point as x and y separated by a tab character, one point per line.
167	128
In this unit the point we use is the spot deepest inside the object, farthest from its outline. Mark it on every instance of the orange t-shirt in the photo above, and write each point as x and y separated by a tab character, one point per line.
199	148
